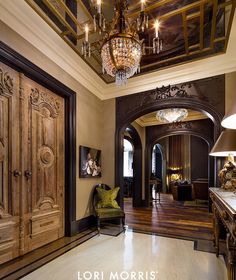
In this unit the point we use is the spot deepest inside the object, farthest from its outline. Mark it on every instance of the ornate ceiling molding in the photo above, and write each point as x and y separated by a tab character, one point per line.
23	20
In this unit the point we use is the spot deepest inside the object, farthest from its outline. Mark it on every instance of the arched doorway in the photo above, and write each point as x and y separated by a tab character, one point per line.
199	129
128	168
184	154
159	164
196	95
133	137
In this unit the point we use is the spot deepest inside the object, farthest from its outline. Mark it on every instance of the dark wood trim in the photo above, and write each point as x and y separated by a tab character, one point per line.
205	95
86	223
137	165
203	129
21	64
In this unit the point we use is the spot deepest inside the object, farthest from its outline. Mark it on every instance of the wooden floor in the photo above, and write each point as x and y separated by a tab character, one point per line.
170	218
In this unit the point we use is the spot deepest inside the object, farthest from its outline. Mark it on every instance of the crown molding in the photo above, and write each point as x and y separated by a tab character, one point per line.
20	17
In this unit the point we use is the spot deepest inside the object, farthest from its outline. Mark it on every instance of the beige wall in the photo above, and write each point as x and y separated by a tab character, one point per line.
108	140
88	133
95	128
95	123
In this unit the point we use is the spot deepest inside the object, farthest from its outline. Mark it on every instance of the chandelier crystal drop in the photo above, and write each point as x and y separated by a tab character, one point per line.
122	48
172	115
121	55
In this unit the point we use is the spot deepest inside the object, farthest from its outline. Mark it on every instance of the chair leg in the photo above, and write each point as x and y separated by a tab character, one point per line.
123	224
98	226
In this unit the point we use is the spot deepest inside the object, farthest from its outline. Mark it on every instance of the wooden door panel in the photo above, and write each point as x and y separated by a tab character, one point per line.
44	216
31	165
9	162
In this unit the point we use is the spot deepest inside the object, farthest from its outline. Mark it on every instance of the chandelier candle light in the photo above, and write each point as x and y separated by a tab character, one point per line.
122	48
86	49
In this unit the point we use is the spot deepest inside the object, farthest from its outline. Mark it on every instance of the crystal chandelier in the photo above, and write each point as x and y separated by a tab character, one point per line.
172	115
122	48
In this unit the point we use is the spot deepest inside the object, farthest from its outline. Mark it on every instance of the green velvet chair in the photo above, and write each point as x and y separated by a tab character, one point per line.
105	213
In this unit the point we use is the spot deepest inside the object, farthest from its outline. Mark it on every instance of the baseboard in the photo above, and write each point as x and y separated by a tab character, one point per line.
86	223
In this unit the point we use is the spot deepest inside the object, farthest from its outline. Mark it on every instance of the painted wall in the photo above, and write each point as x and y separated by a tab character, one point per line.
108	140
95	119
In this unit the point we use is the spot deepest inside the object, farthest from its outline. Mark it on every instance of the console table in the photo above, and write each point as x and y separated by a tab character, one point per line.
224	213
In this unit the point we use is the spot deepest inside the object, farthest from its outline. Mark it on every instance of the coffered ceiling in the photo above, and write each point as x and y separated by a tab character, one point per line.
190	29
37	30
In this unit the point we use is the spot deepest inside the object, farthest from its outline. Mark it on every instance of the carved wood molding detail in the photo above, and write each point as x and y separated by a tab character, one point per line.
6	83
42	98
201	128
46	156
169	92
180	125
3	213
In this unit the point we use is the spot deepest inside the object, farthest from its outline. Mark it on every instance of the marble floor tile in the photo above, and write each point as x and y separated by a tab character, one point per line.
133	256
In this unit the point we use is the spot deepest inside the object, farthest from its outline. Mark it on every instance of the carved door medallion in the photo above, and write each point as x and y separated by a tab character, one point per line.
33	152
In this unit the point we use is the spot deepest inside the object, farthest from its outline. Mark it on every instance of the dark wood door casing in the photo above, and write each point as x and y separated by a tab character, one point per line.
200	128
206	95
137	165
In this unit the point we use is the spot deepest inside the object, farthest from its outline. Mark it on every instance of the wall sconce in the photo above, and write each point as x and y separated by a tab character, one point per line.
225	146
229	120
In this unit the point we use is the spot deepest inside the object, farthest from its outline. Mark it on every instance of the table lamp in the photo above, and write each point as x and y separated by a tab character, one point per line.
225	146
229	120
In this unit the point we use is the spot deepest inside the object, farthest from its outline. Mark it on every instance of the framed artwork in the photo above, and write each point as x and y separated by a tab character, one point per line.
90	162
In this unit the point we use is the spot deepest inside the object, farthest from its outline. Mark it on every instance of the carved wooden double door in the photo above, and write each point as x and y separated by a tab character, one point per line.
31	165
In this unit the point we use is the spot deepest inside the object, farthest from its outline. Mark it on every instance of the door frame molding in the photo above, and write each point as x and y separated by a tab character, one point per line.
137	165
196	95
16	61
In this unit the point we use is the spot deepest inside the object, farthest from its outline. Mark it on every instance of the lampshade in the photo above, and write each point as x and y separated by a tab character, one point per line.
225	144
229	120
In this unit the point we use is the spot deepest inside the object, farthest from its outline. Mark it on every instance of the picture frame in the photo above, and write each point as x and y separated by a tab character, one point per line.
89	162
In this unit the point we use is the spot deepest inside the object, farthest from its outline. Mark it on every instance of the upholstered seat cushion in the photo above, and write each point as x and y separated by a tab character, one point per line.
109	212
107	198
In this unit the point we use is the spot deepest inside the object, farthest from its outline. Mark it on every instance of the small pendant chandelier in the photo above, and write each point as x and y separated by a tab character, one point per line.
122	48
172	115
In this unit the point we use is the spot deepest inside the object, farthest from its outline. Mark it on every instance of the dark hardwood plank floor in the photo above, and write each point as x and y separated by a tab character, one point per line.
170	218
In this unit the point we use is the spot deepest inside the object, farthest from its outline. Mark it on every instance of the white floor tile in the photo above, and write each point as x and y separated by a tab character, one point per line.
133	256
